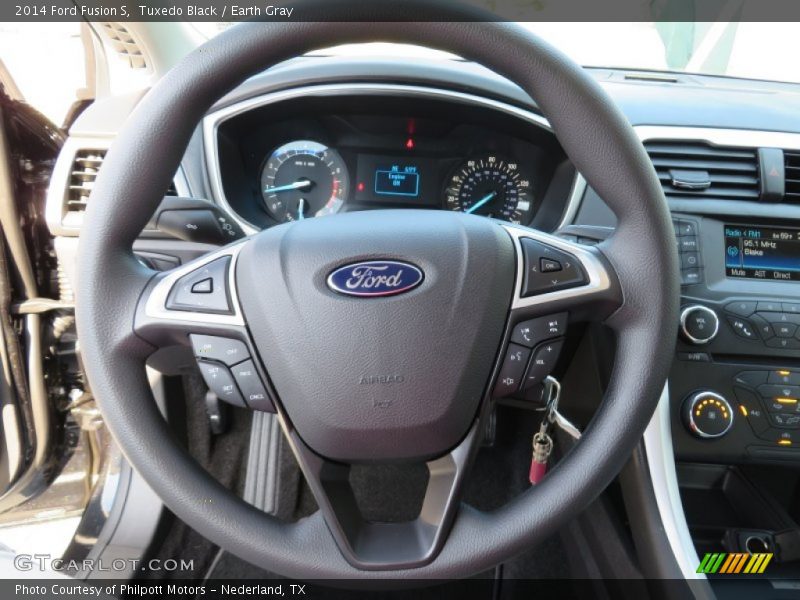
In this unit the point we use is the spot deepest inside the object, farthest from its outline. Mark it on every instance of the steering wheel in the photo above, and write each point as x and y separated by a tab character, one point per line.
404	370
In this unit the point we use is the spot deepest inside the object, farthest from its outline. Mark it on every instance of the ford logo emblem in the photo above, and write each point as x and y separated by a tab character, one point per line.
375	278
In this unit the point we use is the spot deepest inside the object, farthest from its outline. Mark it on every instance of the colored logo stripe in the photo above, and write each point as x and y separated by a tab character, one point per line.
733	563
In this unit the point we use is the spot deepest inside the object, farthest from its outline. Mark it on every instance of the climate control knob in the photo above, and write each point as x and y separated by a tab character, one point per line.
707	415
699	324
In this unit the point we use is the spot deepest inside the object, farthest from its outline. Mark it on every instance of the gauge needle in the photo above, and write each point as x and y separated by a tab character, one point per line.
481	202
301	206
297	185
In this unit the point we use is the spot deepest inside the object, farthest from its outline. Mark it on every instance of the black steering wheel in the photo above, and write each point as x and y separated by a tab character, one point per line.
326	358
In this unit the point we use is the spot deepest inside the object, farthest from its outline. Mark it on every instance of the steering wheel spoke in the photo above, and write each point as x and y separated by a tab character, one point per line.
387	546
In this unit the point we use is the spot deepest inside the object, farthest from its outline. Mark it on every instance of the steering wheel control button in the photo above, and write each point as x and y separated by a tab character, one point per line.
529	333
547	265
699	324
250	384
543	362
204	286
203	290
512	370
220	381
537	280
224	350
707	415
192	225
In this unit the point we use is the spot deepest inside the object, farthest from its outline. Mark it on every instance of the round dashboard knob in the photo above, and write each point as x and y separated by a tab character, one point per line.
699	324
707	415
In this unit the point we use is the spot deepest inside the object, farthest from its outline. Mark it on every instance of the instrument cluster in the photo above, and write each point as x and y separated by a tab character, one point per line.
309	164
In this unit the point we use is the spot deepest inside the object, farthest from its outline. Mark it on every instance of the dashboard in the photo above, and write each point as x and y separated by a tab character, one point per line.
286	159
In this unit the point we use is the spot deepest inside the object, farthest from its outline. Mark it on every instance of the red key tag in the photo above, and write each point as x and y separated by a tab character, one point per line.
542	447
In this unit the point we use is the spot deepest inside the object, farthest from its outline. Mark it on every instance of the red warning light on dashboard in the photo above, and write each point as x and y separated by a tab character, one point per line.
360	187
410	143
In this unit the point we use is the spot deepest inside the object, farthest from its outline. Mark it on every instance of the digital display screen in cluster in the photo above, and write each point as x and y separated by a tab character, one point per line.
767	253
397	180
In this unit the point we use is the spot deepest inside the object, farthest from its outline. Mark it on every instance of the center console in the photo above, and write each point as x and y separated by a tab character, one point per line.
735	383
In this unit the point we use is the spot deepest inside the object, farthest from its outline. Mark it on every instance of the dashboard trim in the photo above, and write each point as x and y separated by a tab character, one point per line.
212	121
745	138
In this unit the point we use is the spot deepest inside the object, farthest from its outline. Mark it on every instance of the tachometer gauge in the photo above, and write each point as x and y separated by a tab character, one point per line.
303	179
492	187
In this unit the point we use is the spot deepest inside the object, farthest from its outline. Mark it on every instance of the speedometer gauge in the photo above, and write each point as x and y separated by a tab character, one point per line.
303	179
492	187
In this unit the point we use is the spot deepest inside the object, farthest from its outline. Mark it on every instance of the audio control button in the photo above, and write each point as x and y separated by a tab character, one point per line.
743	328
742	308
699	324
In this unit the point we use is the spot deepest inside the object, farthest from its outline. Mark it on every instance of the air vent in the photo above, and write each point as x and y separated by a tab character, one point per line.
699	170
792	189
124	45
81	178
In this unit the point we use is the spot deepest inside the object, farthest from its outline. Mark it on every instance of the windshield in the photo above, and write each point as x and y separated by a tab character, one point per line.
736	49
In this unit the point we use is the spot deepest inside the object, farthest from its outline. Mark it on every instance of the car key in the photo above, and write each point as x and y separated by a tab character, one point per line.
542	442
553	391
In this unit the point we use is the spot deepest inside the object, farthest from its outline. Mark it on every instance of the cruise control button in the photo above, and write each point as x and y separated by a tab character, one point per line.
512	370
743	328
543	362
538	282
529	333
222	349
219	380
250	384
184	297
741	308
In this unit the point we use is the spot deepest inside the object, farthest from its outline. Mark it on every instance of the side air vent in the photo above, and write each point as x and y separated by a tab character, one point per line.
81	179
792	183
124	45
700	170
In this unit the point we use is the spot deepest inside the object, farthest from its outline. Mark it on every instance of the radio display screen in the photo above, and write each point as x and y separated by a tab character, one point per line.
767	253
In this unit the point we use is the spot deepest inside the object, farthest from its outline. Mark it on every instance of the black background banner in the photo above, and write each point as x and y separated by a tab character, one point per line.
311	10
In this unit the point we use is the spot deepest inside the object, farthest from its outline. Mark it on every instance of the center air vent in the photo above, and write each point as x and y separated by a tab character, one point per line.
792	183
699	170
